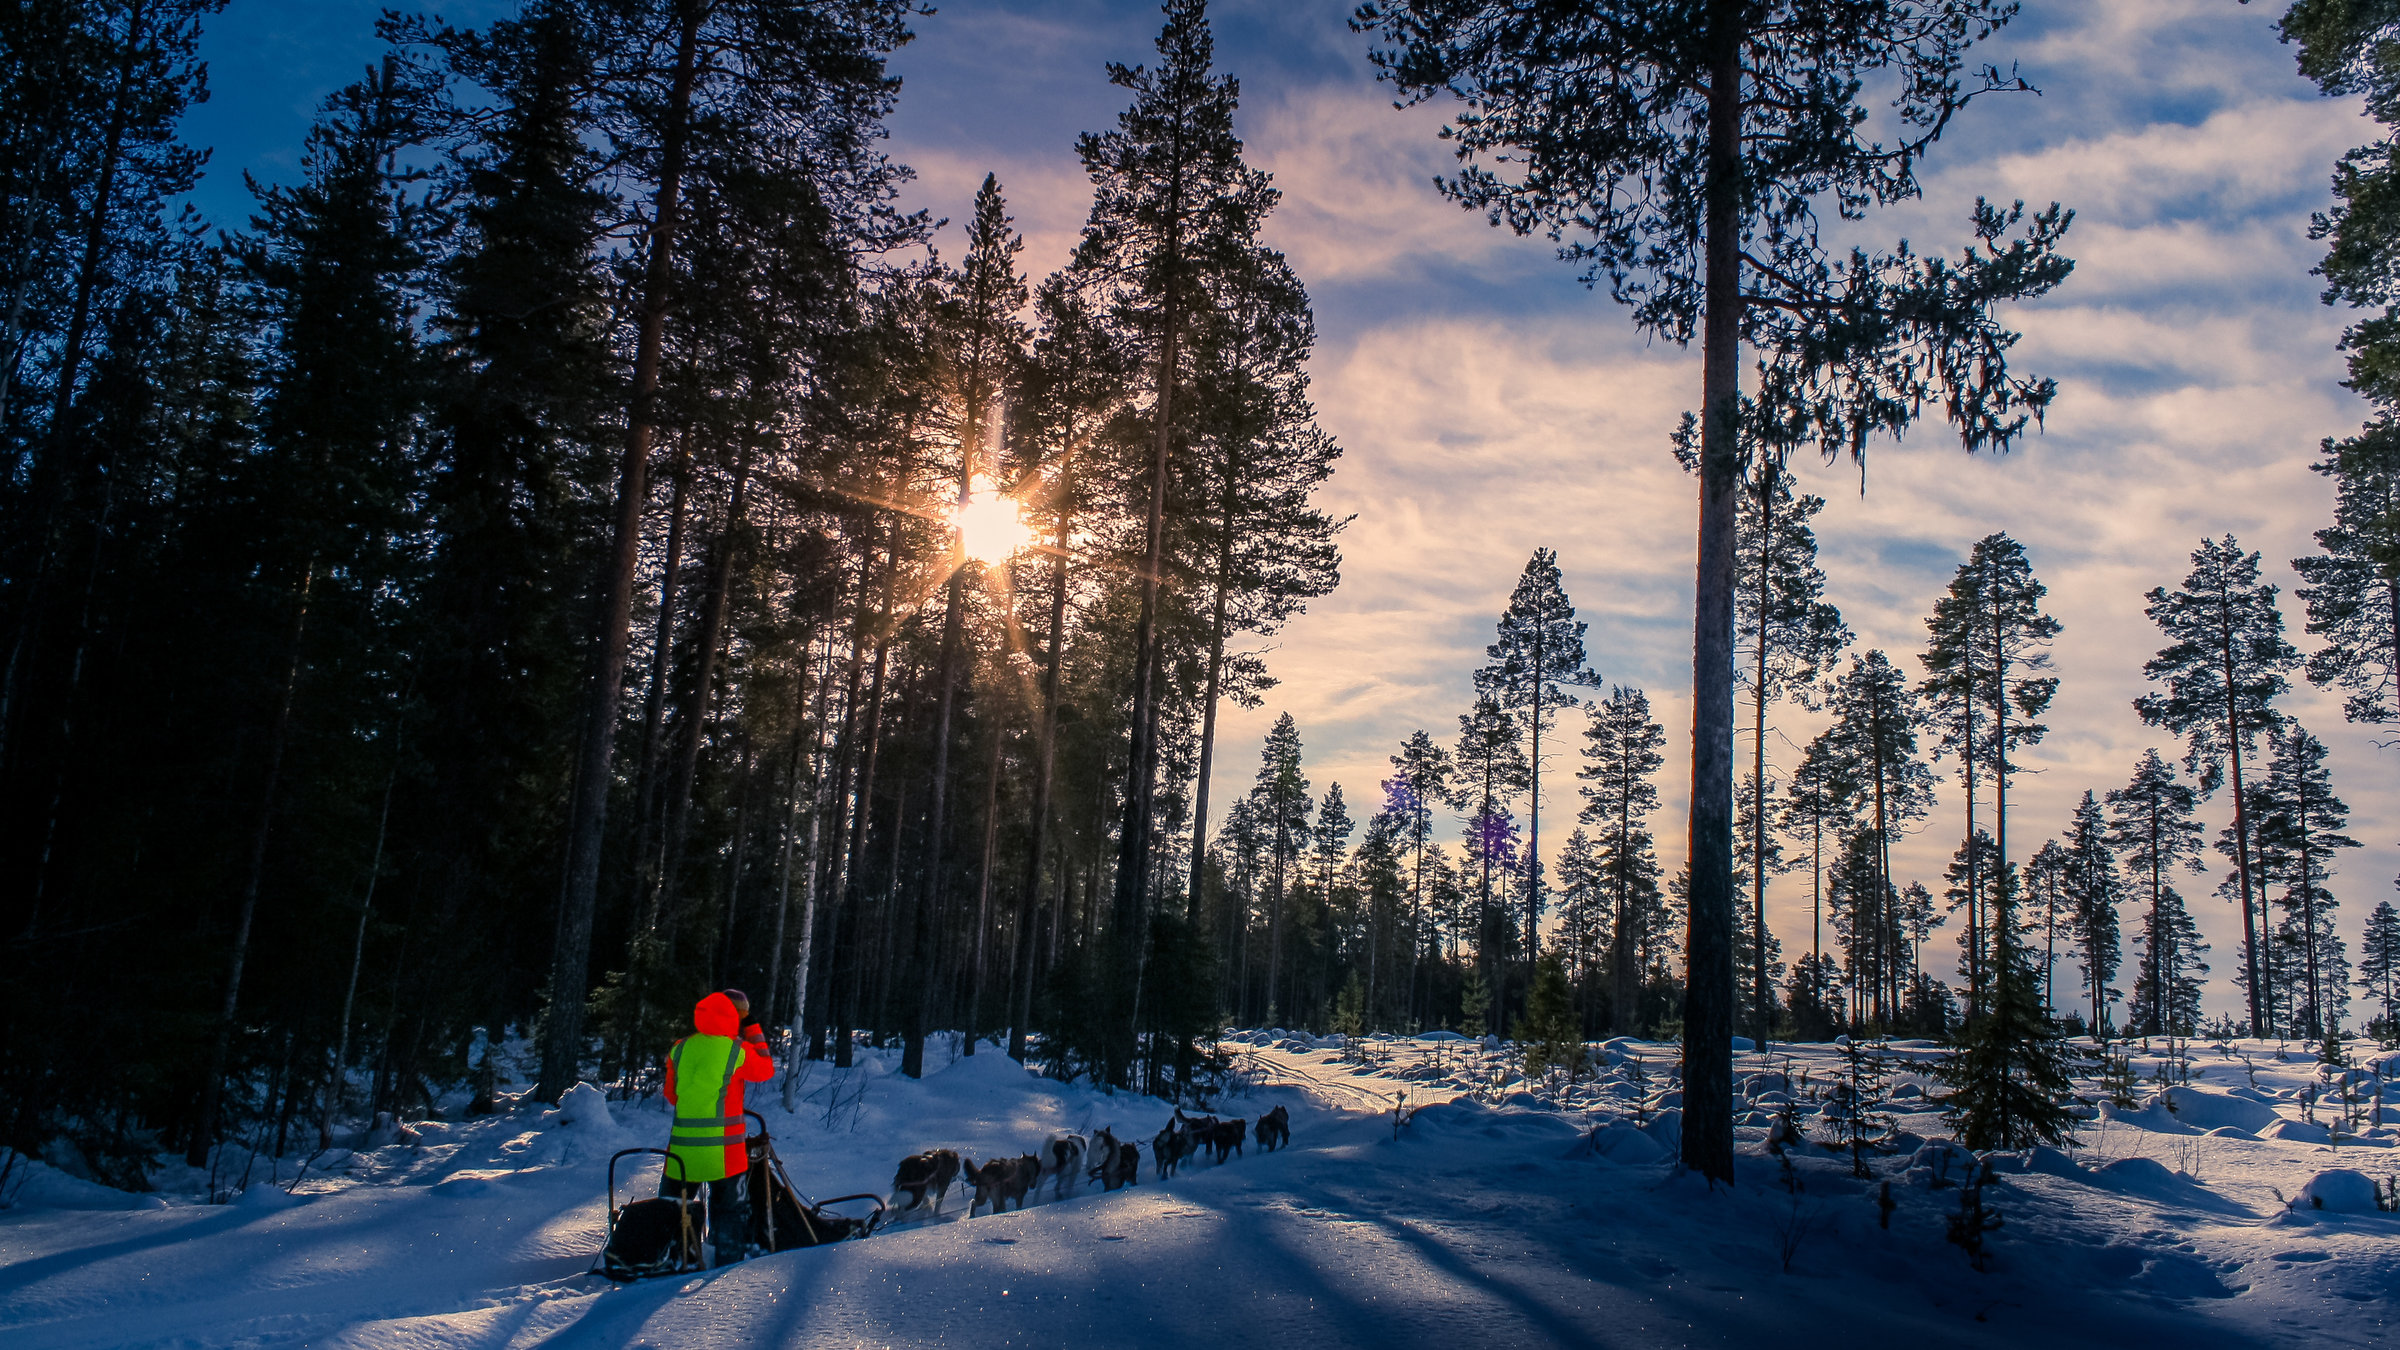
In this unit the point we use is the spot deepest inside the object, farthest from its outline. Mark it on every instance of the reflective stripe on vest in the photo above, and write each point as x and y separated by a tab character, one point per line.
704	1078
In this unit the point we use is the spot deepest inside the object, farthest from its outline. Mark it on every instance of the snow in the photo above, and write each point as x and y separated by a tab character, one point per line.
1498	1212
2339	1190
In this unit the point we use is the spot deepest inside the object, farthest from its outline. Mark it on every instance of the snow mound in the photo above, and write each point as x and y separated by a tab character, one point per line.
2048	1161
583	1129
45	1187
1623	1143
1940	1163
2142	1174
264	1195
2340	1190
1667	1130
1440	1036
2205	1110
2230	1132
2297	1131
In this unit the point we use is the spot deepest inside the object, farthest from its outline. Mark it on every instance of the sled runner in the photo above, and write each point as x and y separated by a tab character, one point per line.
648	1237
781	1218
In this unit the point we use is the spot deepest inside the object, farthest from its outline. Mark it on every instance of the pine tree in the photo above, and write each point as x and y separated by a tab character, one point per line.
1819	806
1421	779
2093	892
2343	46
1280	799
2151	828
2352	587
1784	634
1973	877
1258	455
1492	770
2223	669
2298	833
1173	204
1983	632
1622	755
2167	982
2046	885
1595	126
1536	659
786	97
2379	961
1874	736
336	262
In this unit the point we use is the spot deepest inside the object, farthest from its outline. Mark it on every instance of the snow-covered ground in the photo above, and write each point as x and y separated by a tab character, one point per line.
1494	1216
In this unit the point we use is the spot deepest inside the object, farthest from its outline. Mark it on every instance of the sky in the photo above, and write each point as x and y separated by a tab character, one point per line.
1487	405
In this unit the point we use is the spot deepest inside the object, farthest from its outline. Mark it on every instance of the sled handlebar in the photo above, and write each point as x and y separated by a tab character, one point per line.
624	1153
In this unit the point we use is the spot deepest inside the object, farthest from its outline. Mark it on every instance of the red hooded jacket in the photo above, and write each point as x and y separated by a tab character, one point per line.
716	1016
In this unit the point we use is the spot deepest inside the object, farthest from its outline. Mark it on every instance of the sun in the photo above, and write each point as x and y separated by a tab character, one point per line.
990	524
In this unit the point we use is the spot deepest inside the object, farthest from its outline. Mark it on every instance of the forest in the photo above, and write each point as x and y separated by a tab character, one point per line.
581	544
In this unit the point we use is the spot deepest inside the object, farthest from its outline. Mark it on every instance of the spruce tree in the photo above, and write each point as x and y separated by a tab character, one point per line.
1595	127
2151	827
1623	751
1784	634
2222	669
1854	1114
1550	1031
2008	1071
1537	658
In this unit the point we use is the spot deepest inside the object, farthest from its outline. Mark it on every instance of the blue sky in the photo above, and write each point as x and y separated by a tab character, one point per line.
1487	405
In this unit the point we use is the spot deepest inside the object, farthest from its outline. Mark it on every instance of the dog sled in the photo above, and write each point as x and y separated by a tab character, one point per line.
661	1235
782	1218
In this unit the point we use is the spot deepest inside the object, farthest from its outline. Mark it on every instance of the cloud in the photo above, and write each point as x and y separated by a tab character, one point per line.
1487	407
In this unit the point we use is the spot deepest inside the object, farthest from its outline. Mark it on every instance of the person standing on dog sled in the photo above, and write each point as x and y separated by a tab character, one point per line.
705	1073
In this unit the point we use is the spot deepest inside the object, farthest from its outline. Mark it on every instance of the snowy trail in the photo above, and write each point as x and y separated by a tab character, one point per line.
1474	1225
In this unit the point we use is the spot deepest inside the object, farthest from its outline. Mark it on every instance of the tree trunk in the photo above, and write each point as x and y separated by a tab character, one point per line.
1758	766
2241	830
358	952
1208	715
919	1013
213	1087
710	640
1045	757
562	1042
1709	999
983	888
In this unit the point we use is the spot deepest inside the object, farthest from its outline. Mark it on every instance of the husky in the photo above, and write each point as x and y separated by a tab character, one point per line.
1274	1130
920	1173
1115	1162
1001	1180
1168	1148
1062	1160
1225	1137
